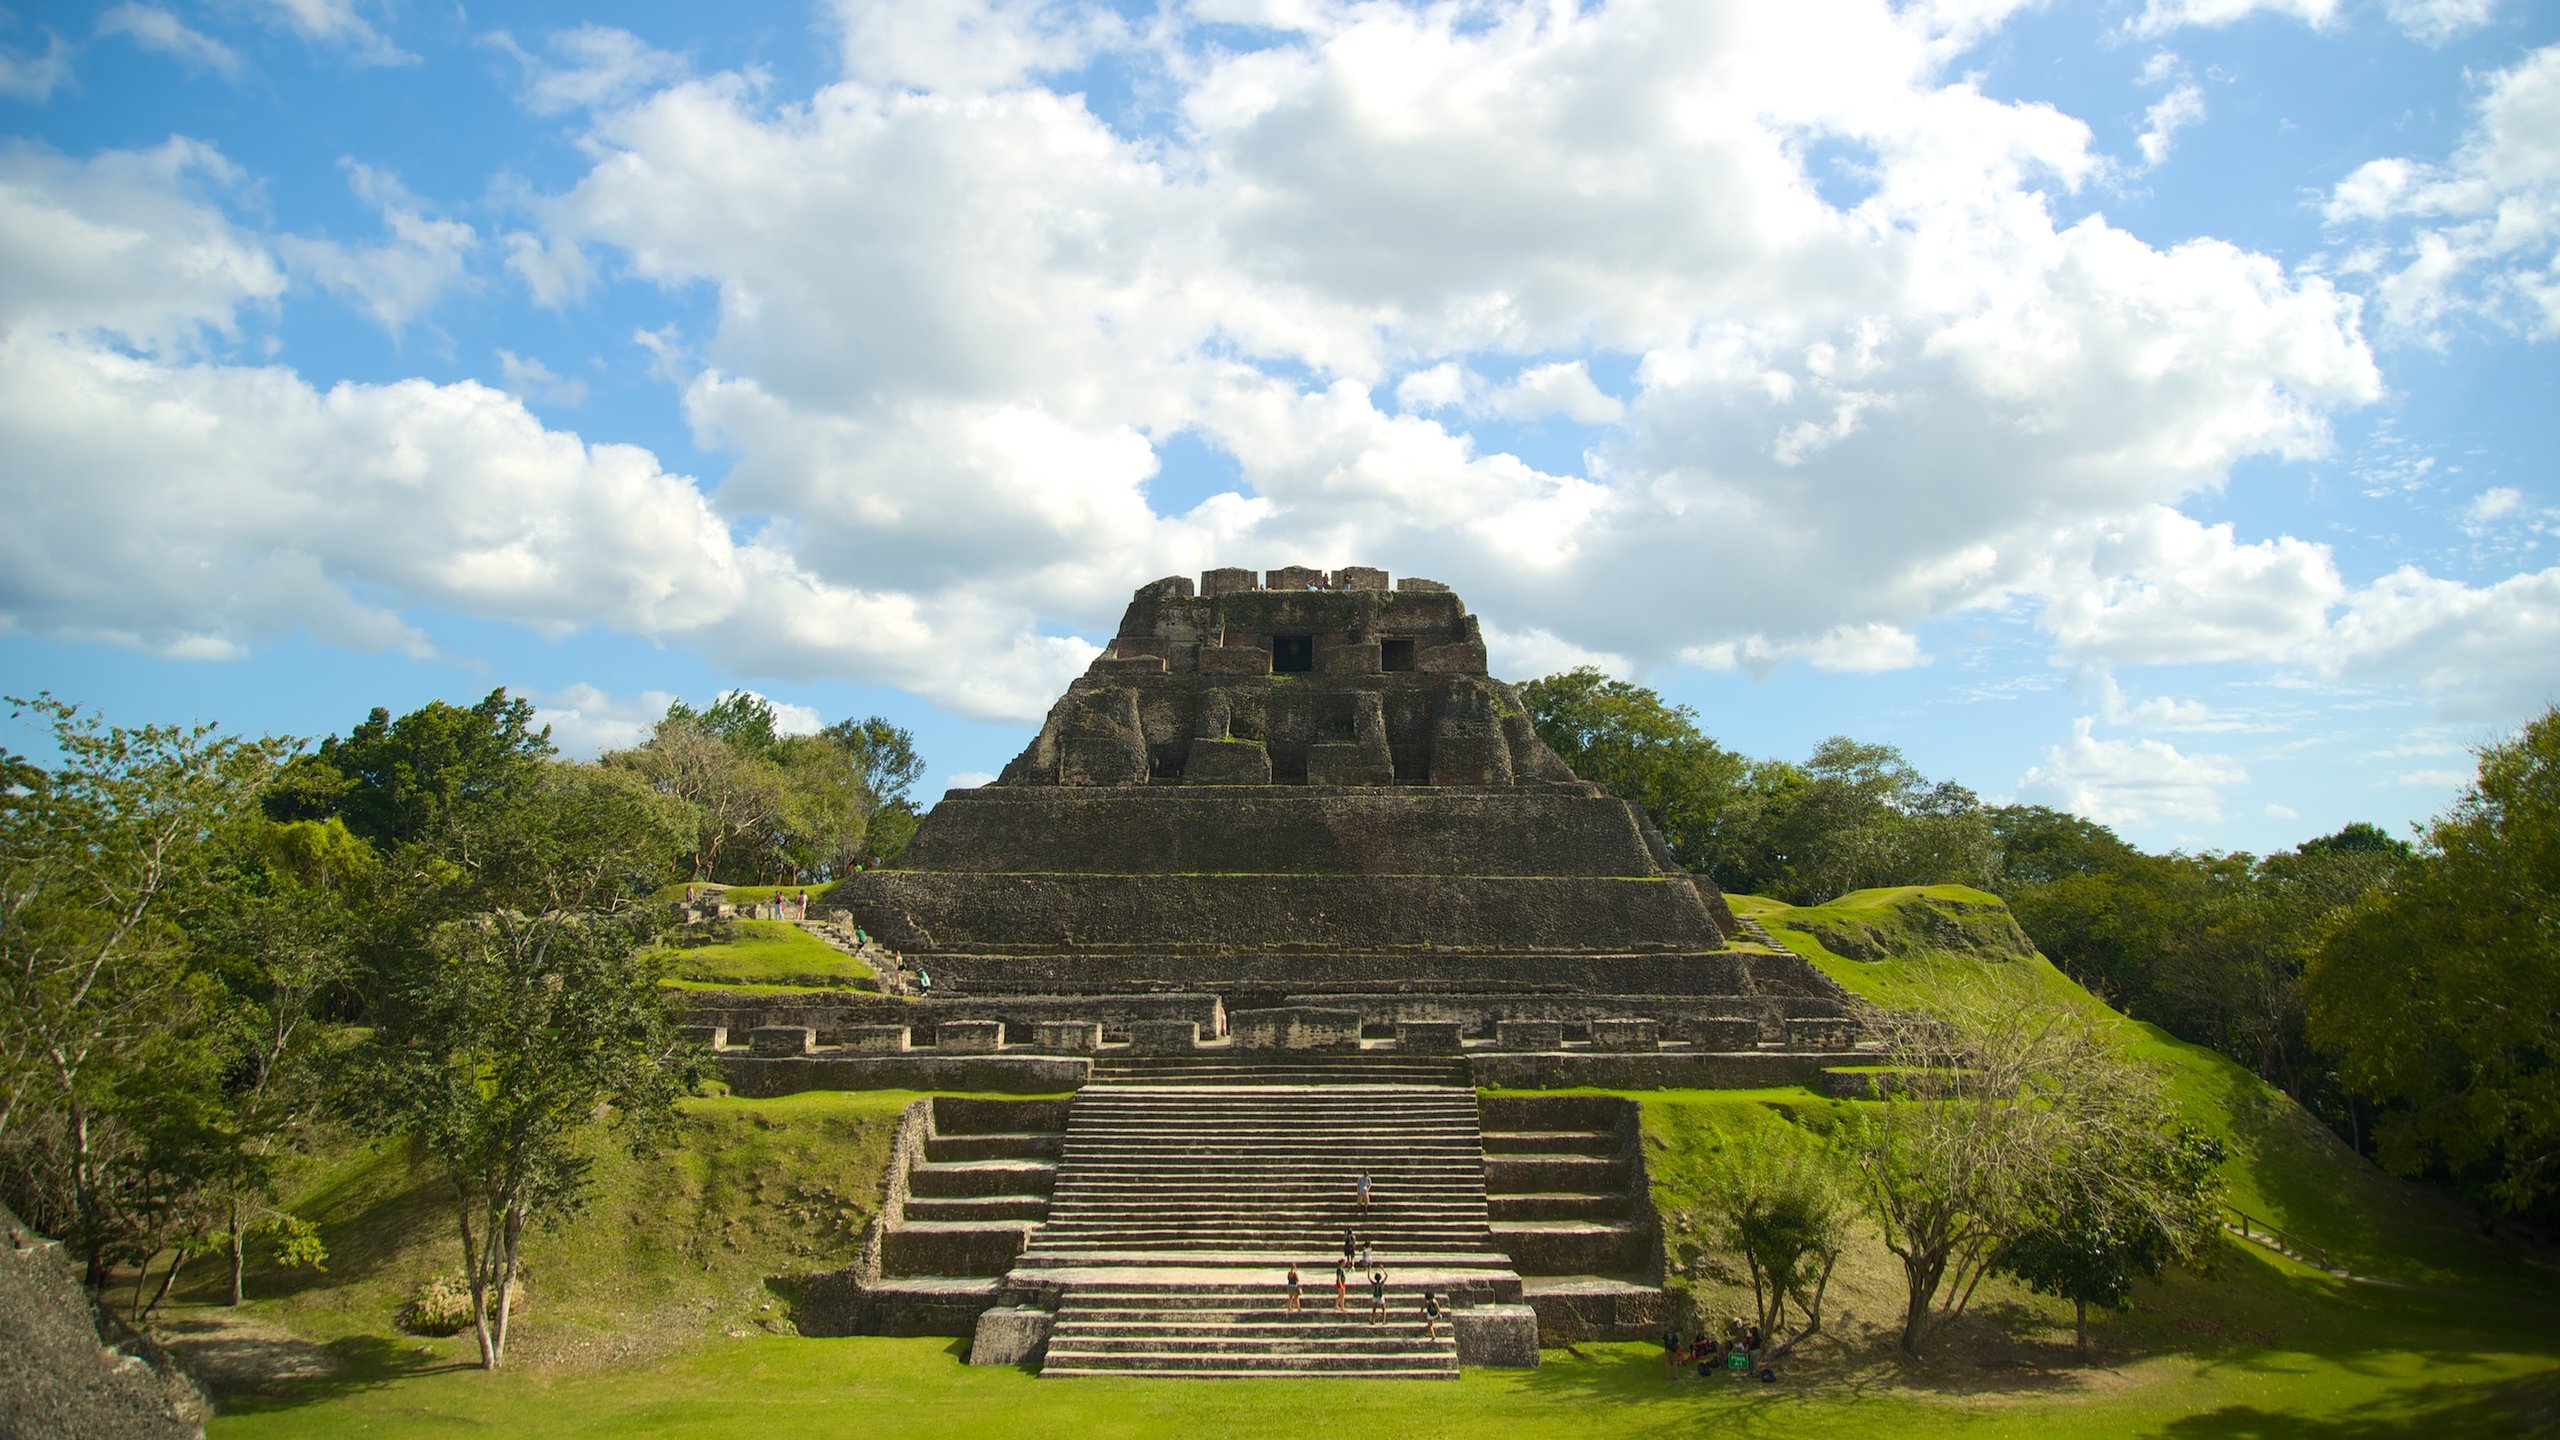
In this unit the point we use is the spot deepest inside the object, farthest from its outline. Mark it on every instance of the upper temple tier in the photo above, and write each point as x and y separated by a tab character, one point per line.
1304	785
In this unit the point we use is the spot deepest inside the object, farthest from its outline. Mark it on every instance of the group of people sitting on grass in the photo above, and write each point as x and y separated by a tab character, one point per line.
1734	1356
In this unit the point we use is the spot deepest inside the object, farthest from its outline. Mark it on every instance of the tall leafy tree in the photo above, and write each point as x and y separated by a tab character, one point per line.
1785	1210
102	1002
1644	749
529	1015
2440	991
2134	1200
392	781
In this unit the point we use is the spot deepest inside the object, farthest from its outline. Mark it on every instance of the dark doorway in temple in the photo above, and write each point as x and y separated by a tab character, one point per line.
1293	654
1395	654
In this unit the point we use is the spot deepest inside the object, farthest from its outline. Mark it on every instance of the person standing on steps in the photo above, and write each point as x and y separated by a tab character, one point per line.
1367	1259
924	983
1364	1192
1293	1287
1430	1316
1377	1296
1350	1246
1341	1287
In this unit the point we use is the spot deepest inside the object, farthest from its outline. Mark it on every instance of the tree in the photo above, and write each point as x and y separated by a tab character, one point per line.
1989	1109
102	1005
393	781
522	1022
2439	990
737	796
1783	1209
1628	739
2135	1199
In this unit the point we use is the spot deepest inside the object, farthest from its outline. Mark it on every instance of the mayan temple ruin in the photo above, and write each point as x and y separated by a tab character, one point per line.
1285	879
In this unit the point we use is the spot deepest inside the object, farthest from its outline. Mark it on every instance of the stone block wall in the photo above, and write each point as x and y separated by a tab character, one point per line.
1295	1029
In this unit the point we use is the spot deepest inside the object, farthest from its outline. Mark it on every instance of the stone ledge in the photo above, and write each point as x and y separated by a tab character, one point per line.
764	1075
1011	1335
1503	1337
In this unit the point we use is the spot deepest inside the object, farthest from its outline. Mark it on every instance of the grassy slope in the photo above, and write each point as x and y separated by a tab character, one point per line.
670	1250
767	953
2458	1342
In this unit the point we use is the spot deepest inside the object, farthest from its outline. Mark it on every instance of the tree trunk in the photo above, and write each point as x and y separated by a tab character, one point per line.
239	1254
478	1282
166	1280
507	1277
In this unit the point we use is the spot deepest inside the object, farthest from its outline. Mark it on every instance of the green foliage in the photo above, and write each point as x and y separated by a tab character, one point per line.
527	1014
2133	1200
112	1125
2440	991
1786	1210
1627	738
766	952
768	806
394	781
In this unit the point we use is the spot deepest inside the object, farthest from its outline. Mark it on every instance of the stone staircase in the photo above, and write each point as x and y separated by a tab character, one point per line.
1186	1186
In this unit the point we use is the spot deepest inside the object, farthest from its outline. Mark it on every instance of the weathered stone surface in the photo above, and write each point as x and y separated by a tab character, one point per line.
760	1075
1659	1070
1306	784
1722	1033
1011	1335
1066	1037
1597	1309
781	1039
709	1037
875	1039
1163	1037
1295	1029
834	1014
1625	1035
1425	1037
968	1037
1499	1336
1528	1035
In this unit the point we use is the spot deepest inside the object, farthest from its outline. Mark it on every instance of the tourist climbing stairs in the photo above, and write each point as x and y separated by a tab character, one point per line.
1185	1189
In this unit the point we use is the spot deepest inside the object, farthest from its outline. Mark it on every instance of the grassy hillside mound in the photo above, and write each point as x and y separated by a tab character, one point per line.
764	953
1919	942
672	1251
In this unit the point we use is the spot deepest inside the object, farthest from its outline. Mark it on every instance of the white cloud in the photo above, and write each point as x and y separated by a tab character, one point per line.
2486	653
336	25
2157	587
589	67
2131	782
1530	653
2482	231
788	718
969	780
959	45
2274	811
2436	21
1563	388
1440	387
2496	503
2181	107
529	379
401	279
154	28
2439	779
586	722
128	244
34	78
2158	17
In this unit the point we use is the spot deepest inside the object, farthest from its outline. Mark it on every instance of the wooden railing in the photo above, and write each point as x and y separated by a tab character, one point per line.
2264	1232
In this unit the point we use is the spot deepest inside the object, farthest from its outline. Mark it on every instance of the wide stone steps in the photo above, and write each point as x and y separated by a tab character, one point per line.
1209	1176
1240	1330
1239	1070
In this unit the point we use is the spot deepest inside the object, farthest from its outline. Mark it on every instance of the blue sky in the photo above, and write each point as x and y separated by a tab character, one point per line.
2142	408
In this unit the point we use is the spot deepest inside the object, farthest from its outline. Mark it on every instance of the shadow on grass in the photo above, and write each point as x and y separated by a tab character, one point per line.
2525	1405
363	1362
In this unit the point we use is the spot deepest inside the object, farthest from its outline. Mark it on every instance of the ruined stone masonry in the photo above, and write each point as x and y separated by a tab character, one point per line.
1284	878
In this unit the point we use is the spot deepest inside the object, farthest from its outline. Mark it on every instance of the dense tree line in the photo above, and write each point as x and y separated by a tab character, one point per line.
2404	993
217	954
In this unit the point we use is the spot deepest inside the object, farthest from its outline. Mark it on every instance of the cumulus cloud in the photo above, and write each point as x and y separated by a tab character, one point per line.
336	25
2479	232
530	379
34	78
588	67
156	29
129	244
2436	21
2180	108
586	721
943	361
400	279
2131	782
2159	17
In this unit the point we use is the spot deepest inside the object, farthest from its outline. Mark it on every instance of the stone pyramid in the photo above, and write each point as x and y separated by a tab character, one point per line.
1292	786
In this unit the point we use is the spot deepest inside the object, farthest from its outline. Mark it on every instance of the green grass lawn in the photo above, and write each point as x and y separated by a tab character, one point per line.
767	952
650	1316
